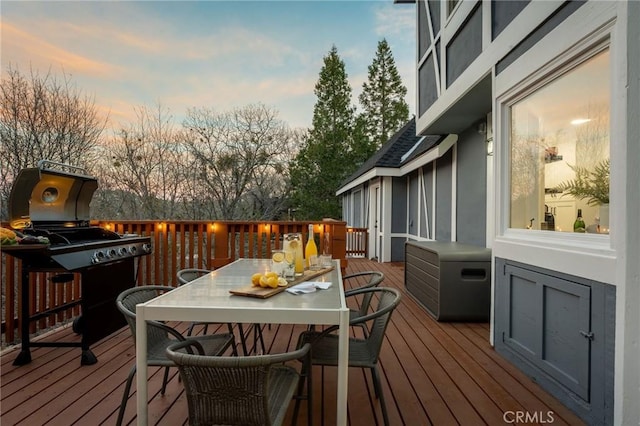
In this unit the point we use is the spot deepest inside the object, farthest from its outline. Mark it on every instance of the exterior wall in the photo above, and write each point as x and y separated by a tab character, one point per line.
471	188
444	194
521	42
442	200
426	220
354	206
399	206
627	409
401	199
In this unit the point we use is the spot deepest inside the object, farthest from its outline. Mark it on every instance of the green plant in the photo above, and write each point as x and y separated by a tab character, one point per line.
590	184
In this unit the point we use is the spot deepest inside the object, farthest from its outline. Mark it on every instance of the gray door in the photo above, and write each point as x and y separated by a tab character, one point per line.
548	323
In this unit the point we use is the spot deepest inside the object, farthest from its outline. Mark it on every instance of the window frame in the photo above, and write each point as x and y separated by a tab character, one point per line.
549	79
560	64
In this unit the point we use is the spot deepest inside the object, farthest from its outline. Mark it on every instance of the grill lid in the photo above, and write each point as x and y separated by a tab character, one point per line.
51	195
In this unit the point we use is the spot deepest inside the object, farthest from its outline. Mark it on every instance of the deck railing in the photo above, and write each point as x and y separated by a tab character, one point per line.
176	245
357	242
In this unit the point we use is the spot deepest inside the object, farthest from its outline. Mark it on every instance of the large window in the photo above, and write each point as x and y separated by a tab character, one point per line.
560	151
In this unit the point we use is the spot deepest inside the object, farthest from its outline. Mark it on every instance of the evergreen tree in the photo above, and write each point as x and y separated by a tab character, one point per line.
383	99
325	159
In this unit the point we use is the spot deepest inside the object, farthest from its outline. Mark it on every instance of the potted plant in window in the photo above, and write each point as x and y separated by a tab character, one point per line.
592	185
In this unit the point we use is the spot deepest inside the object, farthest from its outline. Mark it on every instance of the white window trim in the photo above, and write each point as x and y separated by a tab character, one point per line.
589	256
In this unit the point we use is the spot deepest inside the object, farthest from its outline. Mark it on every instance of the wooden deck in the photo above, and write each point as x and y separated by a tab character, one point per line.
433	374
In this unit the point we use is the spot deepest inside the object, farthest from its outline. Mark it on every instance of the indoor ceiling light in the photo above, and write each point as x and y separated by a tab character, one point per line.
579	121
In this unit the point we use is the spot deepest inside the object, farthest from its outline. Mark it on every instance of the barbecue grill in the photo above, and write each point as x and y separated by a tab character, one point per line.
52	201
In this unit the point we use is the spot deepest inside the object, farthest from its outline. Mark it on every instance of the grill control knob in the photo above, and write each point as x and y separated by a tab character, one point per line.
111	253
133	250
122	251
146	247
97	257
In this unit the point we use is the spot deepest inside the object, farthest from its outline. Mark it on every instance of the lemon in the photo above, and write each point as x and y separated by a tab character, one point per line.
264	281
289	257
293	245
282	282
271	274
255	279
277	257
272	282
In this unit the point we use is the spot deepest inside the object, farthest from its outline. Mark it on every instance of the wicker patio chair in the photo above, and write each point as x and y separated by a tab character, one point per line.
189	274
375	278
160	336
244	390
363	352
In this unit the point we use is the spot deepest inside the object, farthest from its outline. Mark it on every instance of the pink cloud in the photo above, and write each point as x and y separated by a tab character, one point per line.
20	47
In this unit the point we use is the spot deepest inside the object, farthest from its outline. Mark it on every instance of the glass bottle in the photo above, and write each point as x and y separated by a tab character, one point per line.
578	225
326	247
311	248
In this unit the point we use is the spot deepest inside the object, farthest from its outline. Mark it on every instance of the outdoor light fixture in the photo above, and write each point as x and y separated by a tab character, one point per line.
490	147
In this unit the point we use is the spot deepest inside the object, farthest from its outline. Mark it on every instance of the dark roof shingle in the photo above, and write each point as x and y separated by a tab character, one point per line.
390	154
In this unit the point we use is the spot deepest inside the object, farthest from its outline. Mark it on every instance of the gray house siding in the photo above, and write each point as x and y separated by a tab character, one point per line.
444	186
465	46
399	207
502	13
414	205
471	188
427	183
399	216
554	20
427	92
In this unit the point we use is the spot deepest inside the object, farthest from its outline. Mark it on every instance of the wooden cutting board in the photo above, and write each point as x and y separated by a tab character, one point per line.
263	293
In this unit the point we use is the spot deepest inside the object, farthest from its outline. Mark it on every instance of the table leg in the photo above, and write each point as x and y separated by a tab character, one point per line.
343	367
141	366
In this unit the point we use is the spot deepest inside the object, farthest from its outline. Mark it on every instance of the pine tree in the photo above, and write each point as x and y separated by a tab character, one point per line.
326	157
383	99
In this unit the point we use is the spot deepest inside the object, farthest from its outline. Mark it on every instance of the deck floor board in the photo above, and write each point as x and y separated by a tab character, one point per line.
433	373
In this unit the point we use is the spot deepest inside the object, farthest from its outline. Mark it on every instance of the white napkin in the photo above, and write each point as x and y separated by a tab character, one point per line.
309	287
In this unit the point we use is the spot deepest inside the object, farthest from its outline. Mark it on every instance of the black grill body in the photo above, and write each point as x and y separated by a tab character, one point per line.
53	201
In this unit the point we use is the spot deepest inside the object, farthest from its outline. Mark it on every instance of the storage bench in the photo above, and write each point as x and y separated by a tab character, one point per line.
451	280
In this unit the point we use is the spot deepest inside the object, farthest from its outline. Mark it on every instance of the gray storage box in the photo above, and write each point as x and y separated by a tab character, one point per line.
451	280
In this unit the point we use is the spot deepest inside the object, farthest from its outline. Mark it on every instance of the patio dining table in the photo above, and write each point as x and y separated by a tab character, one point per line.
208	299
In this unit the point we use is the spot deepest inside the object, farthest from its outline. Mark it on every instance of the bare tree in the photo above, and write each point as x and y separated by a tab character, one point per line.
42	117
241	160
143	172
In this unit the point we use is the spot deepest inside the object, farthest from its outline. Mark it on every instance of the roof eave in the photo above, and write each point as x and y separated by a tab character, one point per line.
429	156
369	175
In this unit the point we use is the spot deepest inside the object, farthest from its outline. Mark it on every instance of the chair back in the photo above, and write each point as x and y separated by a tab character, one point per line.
240	390
157	333
375	278
388	300
190	274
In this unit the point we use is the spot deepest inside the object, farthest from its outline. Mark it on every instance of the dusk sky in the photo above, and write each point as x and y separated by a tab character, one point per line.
213	54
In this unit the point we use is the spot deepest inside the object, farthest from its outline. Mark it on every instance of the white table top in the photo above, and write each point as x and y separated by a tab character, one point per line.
208	299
